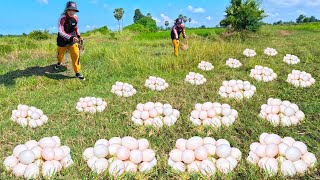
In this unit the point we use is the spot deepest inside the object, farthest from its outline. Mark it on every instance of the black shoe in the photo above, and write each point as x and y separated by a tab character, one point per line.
78	75
57	66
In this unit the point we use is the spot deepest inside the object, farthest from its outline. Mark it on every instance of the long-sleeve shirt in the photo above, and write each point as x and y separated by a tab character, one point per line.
68	27
176	31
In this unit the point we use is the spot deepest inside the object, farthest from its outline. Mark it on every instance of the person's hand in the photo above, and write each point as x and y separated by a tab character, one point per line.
75	39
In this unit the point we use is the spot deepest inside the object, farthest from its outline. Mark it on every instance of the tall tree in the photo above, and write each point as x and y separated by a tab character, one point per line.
185	19
189	21
312	19
243	15
300	18
166	23
180	16
149	15
118	14
137	15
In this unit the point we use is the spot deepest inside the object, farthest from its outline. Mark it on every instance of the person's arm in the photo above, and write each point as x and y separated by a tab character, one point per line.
184	33
76	28
62	33
174	29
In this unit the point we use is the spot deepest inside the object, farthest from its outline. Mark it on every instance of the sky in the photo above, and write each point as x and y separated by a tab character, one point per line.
23	16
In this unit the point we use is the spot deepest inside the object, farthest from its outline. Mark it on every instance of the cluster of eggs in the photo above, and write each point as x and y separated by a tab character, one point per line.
28	116
291	59
120	155
270	51
195	78
123	89
27	159
249	53
233	63
264	74
213	114
281	112
300	79
156	83
155	114
91	104
237	89
205	66
204	155
285	155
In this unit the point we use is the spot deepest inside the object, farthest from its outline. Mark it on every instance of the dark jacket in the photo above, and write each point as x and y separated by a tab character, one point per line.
68	29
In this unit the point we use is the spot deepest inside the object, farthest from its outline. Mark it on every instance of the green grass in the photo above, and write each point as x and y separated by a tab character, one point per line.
27	78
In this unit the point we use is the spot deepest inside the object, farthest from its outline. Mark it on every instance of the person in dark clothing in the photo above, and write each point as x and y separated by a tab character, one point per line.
177	29
69	37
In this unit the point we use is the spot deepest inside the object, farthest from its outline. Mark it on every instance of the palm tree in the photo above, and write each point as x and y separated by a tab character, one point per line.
118	14
166	23
185	19
190	21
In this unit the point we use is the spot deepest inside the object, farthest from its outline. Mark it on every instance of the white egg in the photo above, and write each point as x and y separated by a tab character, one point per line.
47	142
310	159
300	145
179	166
223	151
136	156
211	149
188	156
18	149
261	150
130	167
48	154
201	153
207	168
143	144
30	144
193	167
26	157
194	142
102	141
236	153
176	155
209	140
223	165
100	151
288	140
222	141
253	158
271	166
88	153
271	150
19	169
91	161
48	169
288	168
113	149
116	168
148	155
32	171
100	165
10	162
272	139
123	153
300	166
66	161
130	142
282	148
58	154
293	153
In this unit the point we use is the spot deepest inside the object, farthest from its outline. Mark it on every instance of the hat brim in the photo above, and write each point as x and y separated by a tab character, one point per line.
73	9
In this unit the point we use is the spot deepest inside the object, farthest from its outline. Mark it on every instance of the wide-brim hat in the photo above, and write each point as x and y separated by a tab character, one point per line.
71	6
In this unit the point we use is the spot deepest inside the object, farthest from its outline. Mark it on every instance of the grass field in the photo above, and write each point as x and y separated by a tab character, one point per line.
26	77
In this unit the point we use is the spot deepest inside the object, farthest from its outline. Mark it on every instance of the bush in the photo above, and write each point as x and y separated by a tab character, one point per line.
148	23
39	35
243	15
136	28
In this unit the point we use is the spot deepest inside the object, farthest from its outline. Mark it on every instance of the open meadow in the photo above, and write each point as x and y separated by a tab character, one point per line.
27	77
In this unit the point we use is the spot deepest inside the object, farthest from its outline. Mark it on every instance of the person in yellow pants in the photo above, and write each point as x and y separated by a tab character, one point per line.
177	29
68	38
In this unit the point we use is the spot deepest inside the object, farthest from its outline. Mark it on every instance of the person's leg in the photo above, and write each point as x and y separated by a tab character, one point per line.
75	56
176	47
60	56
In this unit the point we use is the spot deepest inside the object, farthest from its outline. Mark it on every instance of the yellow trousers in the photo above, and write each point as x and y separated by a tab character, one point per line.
74	53
176	47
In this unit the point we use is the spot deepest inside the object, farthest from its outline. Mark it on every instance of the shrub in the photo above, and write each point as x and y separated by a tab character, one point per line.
39	35
243	15
136	28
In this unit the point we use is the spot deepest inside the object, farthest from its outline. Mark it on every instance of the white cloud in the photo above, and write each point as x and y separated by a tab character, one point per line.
165	18
89	27
43	1
273	14
295	2
299	11
158	21
194	21
94	1
209	18
196	10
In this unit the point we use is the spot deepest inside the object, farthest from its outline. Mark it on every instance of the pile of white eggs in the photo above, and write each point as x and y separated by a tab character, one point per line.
283	113
120	155
195	78
300	79
205	66
213	114
291	59
123	89
155	114
156	83
270	51
249	53
28	159
233	63
91	104
28	116
237	89
204	155
275	154
264	74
